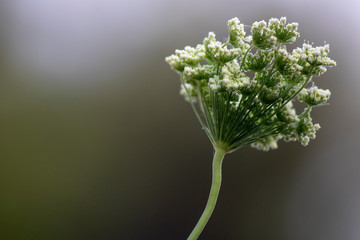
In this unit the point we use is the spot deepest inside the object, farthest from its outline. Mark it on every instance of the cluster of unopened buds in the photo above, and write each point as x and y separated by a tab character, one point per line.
245	87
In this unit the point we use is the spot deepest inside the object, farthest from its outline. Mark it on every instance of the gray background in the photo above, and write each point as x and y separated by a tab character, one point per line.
96	143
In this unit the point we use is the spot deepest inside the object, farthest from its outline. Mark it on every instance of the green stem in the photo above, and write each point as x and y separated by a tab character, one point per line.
214	192
243	60
225	44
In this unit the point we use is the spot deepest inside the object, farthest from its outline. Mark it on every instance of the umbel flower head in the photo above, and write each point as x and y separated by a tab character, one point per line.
245	87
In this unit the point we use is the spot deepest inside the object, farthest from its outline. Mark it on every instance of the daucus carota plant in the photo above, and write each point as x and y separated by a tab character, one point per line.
242	91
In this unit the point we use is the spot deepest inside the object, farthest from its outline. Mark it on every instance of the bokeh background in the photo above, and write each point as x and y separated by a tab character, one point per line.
97	143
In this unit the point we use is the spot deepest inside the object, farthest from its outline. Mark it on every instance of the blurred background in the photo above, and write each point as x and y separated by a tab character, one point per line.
97	143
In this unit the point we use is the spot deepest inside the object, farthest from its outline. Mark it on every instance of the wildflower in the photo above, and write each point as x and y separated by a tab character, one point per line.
245	89
314	96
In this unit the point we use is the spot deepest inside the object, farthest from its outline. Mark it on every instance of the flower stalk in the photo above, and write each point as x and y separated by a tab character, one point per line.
213	196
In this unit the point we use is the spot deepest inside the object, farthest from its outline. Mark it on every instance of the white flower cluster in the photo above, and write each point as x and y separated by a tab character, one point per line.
303	131
287	63
246	86
199	72
284	33
262	36
237	34
233	79
314	96
315	58
258	61
189	56
267	143
288	114
220	52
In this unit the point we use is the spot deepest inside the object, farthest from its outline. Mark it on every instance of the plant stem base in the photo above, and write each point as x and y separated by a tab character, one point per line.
214	193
